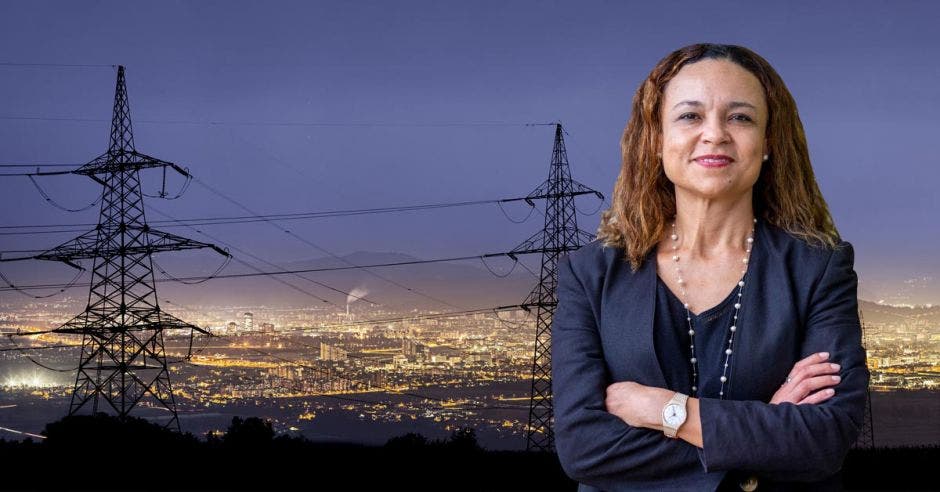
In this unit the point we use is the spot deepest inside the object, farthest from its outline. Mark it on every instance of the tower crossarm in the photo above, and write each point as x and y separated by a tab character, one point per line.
536	244
123	160
87	245
104	325
544	191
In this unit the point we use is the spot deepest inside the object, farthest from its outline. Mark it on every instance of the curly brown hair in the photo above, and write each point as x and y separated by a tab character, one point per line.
785	195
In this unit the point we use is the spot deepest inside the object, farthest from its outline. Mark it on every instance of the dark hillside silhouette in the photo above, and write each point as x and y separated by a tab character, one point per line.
250	455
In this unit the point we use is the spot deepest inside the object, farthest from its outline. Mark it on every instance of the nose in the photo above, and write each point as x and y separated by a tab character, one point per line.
714	131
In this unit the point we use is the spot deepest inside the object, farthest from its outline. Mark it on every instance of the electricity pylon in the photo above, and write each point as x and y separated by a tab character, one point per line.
559	235
866	437
123	361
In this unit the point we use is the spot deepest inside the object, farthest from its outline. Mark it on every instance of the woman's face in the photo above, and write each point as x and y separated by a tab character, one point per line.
714	116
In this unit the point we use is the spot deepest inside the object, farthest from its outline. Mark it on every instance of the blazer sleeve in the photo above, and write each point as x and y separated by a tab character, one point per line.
800	442
594	446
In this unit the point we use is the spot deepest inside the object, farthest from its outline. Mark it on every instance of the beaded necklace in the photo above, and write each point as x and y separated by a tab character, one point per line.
688	314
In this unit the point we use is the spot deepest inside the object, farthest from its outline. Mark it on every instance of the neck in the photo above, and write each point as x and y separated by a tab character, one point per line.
709	227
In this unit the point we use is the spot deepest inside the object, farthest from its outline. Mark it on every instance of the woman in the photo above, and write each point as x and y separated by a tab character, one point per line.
710	339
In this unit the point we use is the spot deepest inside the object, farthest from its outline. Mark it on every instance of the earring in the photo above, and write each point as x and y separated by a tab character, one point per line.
765	157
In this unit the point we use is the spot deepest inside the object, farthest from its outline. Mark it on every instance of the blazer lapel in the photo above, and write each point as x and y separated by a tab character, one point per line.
766	341
628	321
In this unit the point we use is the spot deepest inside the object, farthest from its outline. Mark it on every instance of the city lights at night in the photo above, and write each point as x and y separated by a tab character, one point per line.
306	230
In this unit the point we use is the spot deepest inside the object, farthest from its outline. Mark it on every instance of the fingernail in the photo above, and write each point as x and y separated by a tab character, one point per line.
830	392
824	355
835	367
836	378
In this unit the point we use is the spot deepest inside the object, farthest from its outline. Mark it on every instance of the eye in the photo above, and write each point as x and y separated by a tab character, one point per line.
741	117
687	116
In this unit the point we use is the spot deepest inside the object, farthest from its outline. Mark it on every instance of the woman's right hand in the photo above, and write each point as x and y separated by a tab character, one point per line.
809	381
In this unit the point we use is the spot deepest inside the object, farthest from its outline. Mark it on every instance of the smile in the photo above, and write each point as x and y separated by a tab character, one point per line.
714	161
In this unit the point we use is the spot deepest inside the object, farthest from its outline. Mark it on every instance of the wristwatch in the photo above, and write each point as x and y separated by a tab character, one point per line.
674	414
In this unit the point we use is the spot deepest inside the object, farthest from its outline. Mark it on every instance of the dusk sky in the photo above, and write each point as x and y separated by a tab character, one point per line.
314	106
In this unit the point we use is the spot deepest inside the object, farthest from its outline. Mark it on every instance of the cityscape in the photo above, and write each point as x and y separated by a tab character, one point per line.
468	371
295	366
318	242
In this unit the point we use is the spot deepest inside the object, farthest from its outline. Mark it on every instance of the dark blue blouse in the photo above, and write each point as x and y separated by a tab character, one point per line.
671	337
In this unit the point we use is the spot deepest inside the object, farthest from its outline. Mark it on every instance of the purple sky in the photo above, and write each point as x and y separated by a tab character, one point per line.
864	74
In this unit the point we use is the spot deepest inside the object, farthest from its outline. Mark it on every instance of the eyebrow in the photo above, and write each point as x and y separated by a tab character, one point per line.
731	105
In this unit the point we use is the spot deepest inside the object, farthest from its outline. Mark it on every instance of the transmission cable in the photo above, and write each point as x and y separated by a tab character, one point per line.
326	124
162	194
23	351
260	272
56	65
284	216
319	248
55	204
64	287
225	263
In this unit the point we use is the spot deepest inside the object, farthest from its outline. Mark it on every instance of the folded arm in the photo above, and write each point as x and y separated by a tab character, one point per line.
781	441
800	442
806	429
594	446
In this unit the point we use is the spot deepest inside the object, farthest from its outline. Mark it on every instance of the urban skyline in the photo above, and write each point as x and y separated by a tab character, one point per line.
268	358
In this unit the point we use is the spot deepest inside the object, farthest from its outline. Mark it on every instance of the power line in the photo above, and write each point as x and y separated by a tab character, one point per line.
356	267
56	65
240	219
320	248
65	287
26	233
8	165
23	351
59	206
258	270
296	271
39	118
37	173
327	124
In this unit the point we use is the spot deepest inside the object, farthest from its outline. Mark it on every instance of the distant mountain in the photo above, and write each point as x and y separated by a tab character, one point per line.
883	313
887	286
449	286
442	286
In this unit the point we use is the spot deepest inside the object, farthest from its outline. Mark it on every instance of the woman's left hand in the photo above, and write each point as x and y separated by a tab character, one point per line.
636	404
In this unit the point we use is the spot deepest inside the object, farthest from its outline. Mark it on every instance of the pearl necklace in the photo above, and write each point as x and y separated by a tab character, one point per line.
688	315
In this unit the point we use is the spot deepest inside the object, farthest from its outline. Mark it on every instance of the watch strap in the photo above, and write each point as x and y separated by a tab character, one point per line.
677	399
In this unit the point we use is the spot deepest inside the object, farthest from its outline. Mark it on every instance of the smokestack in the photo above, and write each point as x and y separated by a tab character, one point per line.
354	296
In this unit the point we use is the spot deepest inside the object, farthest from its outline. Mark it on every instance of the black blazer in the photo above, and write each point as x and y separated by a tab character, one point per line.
799	300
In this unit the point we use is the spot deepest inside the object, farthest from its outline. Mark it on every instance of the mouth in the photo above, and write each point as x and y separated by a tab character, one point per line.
713	160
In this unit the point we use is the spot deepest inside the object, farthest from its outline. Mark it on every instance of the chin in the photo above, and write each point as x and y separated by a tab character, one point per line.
722	192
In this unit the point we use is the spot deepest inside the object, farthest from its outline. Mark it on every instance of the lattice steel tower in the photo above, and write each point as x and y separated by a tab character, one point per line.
559	235
123	363
866	437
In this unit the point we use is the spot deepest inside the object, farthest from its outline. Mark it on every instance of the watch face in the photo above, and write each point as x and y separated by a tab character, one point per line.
673	414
